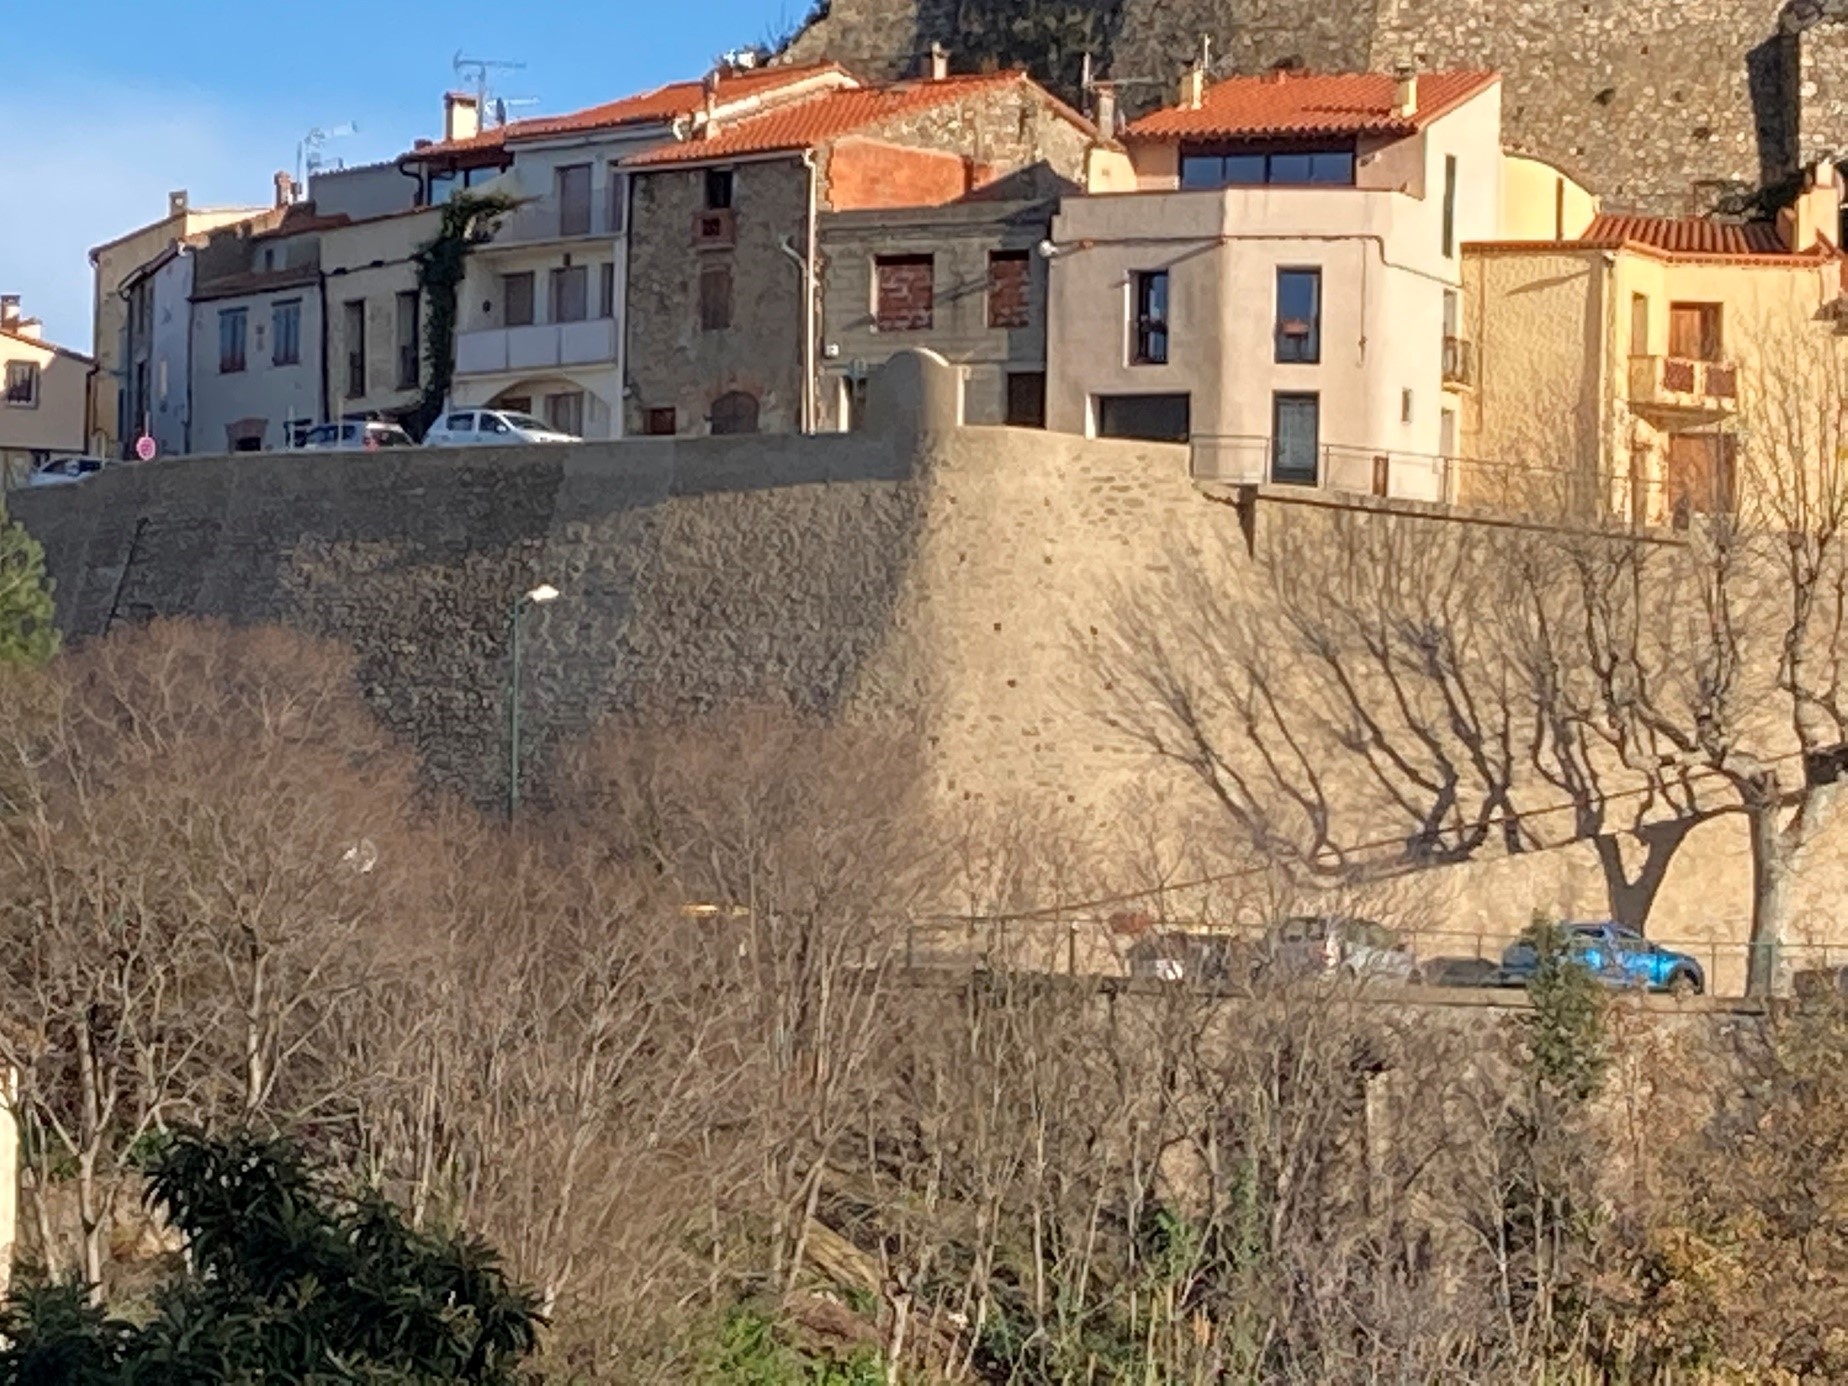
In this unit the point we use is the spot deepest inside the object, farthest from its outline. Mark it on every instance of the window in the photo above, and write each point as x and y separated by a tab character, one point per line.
619	200
734	412
1295	446
286	332
410	350
660	423
574	200
1157	418
1299	315
606	290
1559	209
1639	324
1701	469
1694	331
1010	278
1149	345
1213	168
1450	205
460	423
356	348
853	403
1026	399
295	431
22	384
493	423
718	189
565	412
517	299
571	293
715	296
904	292
233	326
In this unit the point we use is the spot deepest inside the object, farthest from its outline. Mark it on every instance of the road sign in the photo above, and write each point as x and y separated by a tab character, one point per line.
145	448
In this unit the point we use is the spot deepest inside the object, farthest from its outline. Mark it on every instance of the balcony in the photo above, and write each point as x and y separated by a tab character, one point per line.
1685	388
1253	461
1459	362
548	219
543	346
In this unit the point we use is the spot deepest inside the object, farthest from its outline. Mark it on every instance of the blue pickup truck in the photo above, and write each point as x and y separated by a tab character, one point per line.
1617	956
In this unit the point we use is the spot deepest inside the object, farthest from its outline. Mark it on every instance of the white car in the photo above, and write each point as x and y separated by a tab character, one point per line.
68	471
355	435
462	428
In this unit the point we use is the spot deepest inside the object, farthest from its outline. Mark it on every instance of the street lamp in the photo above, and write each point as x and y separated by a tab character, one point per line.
538	596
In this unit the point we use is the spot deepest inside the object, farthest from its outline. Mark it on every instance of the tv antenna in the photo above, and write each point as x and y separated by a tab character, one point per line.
502	104
477	70
308	157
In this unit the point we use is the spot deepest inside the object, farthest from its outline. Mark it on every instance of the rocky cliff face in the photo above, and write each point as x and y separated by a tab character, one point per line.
1660	105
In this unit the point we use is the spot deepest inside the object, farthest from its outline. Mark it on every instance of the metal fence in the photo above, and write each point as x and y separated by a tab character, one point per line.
1111	947
1624	497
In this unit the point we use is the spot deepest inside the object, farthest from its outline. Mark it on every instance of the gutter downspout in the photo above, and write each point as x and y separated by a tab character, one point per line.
321	284
808	295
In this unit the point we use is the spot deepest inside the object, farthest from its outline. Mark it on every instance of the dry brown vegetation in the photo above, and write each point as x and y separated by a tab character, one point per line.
738	1143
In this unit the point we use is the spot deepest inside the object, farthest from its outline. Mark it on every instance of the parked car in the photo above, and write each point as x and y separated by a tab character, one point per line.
68	471
1815	983
1327	944
1459	972
1616	956
355	435
1185	957
462	428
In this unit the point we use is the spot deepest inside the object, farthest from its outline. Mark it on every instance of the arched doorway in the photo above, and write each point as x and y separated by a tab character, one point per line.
734	412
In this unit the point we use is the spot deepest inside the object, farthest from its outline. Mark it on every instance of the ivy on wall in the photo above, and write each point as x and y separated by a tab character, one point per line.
469	219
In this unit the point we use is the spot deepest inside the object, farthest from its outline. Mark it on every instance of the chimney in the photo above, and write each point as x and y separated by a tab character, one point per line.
1816	215
176	203
1405	90
939	62
711	89
1104	109
1193	87
285	189
461	116
9	312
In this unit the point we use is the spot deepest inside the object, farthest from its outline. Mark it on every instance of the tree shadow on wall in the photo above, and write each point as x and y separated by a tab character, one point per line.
1049	38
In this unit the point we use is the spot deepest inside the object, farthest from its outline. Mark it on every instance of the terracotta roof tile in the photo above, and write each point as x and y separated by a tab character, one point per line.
1686	235
806	124
661	105
1285	105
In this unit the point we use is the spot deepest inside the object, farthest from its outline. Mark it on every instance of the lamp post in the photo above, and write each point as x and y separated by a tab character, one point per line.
538	596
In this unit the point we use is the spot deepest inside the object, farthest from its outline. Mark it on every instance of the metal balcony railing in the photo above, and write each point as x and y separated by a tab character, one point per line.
1683	384
1459	361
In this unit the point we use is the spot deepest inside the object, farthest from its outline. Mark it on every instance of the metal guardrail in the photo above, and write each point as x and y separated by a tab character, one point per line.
1102	947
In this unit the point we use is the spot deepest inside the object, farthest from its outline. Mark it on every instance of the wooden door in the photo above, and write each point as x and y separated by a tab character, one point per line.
1699	476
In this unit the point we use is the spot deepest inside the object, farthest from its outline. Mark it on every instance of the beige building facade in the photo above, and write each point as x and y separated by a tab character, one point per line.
1283	286
43	394
377	353
1639	354
112	264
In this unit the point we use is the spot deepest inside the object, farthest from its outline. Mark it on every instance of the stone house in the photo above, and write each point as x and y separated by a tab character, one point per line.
965	279
157	351
1637	357
540	316
112	263
730	310
43	393
257	306
1272	270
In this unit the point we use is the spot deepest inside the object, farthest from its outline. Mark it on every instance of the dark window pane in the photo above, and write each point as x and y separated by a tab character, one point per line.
1150	347
1294	439
1202	171
1334	166
1290	168
1242	170
1158	418
1299	315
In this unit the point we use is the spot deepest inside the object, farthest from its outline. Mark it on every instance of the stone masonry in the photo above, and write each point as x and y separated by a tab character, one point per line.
1659	105
944	582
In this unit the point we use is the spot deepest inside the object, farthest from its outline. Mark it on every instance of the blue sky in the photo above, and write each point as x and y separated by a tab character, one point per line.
123	100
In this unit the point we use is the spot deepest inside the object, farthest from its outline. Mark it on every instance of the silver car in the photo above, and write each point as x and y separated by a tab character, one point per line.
67	471
1339	945
355	435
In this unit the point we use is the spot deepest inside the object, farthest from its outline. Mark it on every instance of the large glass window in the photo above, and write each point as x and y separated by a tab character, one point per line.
1218	168
1295	439
1149	343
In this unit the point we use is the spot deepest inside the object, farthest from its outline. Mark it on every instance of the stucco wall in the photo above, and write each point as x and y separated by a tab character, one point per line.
948	581
372	262
263	390
55	422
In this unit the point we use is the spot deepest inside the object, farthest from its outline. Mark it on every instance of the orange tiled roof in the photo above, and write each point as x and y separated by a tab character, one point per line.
806	124
1685	235
1287	105
663	104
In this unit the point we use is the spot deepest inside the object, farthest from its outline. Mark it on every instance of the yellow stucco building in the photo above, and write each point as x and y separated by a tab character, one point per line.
1621	361
42	392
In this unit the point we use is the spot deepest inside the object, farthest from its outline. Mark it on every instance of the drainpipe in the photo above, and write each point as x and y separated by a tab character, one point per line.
324	338
806	261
